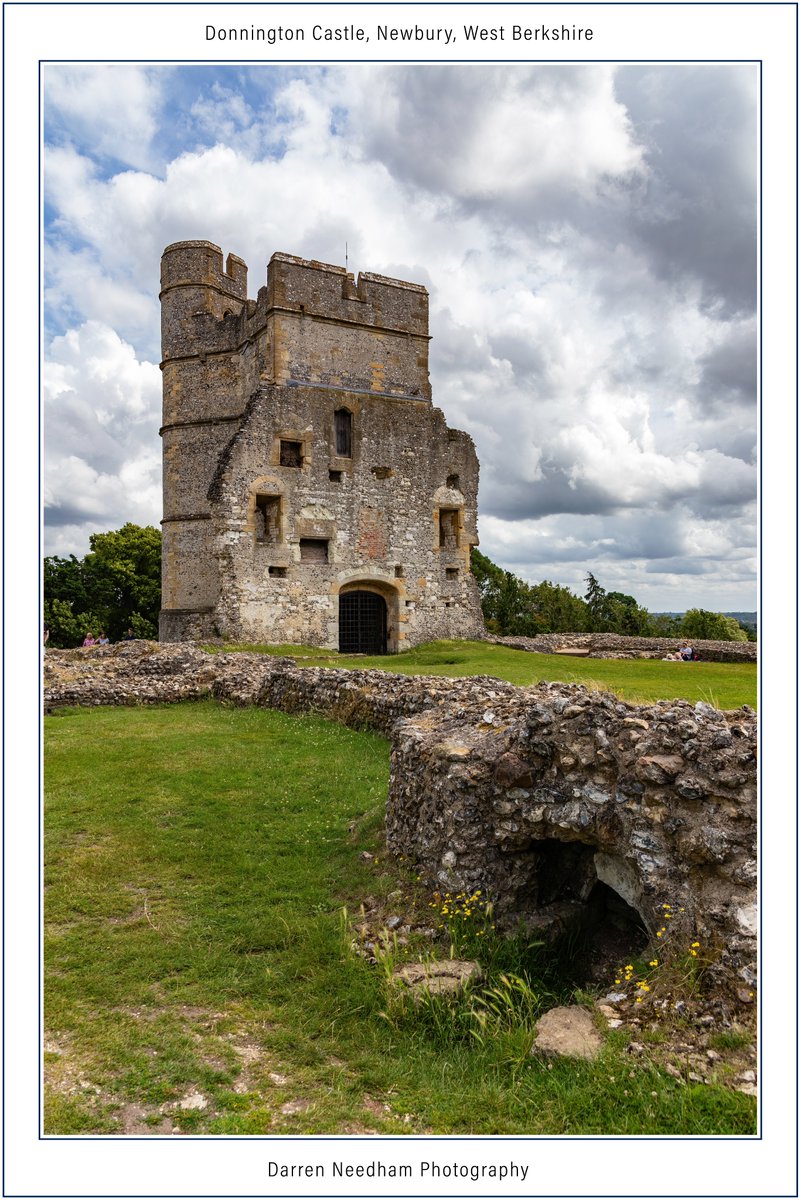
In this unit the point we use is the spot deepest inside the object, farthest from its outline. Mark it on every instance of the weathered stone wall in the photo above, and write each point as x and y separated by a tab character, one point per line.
615	645
531	794
240	378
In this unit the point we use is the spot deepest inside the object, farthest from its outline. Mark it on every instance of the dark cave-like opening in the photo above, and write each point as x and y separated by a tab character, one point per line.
595	930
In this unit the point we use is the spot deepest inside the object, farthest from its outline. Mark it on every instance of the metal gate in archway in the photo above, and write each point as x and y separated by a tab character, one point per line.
362	623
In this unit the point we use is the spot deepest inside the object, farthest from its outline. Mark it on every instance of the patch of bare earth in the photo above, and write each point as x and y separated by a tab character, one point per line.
237	1052
689	1039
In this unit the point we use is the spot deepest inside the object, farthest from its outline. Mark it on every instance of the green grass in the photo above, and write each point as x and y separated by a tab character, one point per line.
642	681
197	859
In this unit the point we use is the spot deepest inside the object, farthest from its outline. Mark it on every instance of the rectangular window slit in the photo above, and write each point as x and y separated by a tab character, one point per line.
268	518
291	454
449	528
313	550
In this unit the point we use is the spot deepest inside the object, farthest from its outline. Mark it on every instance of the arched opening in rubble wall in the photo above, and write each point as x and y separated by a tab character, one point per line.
587	902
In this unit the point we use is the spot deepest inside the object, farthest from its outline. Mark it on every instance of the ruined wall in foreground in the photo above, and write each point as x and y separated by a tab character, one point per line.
532	794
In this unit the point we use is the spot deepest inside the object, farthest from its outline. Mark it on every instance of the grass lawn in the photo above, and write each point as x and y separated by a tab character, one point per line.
723	685
198	977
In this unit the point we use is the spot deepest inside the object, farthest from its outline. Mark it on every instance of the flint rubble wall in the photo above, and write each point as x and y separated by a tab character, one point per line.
532	794
616	645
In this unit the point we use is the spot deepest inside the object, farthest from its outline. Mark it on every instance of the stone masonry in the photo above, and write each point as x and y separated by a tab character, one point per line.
543	797
312	492
616	645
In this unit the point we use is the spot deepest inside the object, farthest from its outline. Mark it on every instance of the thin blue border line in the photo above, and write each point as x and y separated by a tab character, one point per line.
318	1138
3	602
401	3
394	1195
40	746
312	62
796	608
408	4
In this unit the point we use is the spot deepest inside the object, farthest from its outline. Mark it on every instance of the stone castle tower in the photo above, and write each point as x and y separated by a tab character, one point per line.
312	492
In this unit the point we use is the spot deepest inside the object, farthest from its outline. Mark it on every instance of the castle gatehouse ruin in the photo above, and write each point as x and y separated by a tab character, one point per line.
312	492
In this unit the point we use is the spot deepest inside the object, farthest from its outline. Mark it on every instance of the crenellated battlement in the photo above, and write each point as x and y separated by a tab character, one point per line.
200	264
320	290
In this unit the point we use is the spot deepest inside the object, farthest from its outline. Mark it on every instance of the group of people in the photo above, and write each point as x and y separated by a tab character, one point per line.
683	654
102	639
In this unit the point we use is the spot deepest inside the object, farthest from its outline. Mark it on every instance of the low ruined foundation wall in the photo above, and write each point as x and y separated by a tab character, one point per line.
616	645
533	794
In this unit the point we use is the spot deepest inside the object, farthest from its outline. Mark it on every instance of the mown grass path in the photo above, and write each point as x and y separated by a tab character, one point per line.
197	979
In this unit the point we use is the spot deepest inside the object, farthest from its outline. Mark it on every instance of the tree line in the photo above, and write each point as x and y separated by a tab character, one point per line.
514	608
117	586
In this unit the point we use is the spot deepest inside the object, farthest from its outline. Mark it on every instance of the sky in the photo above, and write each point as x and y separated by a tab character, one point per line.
587	234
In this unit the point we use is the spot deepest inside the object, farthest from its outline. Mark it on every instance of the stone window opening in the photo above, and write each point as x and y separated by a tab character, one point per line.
451	572
398	571
449	528
267	515
343	433
291	454
314	550
335	476
452	481
279	572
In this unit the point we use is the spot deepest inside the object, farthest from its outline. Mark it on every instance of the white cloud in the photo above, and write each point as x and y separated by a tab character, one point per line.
102	414
597	389
112	106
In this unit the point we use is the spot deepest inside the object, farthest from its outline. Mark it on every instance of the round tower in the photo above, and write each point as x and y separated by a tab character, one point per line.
202	308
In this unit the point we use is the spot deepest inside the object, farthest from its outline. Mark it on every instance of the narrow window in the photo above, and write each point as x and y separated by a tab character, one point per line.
452	481
449	528
343	432
268	518
398	571
313	550
279	572
335	476
291	454
451	572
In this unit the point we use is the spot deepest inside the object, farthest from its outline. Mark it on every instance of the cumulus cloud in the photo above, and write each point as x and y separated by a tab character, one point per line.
102	458
111	106
588	245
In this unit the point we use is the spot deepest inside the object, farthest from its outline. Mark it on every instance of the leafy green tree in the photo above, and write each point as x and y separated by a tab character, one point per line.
559	609
664	625
701	624
506	601
600	608
513	607
627	616
116	585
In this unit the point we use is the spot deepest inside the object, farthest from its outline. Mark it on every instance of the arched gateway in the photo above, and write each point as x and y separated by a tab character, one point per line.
362	622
